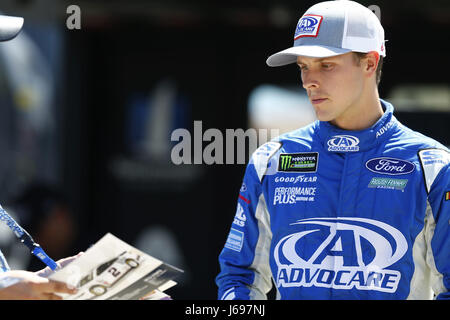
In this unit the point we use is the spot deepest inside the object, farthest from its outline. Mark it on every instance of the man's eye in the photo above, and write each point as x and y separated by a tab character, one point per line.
326	65
302	68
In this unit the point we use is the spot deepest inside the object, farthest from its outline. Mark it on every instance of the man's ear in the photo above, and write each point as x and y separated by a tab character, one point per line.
372	59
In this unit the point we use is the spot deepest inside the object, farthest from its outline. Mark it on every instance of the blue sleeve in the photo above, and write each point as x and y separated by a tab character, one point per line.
439	199
244	260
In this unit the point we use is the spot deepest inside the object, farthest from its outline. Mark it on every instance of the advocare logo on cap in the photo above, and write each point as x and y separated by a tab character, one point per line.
308	26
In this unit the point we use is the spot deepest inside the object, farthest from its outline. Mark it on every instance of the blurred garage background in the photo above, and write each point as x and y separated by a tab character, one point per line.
87	114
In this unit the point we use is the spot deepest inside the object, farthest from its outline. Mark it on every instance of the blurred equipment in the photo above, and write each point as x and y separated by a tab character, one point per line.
28	116
45	213
276	107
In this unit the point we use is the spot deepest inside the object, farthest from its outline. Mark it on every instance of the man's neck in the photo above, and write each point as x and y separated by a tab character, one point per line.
361	115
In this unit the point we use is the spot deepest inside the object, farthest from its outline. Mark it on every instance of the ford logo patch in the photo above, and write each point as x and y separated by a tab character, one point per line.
391	166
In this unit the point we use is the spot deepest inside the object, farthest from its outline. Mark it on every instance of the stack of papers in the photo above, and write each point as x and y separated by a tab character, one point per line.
113	270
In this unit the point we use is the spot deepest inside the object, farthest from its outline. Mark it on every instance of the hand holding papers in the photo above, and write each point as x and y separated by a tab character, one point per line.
113	270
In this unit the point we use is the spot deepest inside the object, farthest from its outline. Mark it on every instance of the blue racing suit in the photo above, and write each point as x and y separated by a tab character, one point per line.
325	213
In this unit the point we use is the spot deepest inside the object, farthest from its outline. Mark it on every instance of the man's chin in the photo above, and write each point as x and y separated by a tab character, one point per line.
323	116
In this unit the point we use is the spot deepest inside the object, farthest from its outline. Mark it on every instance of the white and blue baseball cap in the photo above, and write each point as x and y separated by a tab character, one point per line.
332	28
10	27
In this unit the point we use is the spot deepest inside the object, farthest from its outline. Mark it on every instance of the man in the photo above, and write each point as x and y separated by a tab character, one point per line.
20	284
353	206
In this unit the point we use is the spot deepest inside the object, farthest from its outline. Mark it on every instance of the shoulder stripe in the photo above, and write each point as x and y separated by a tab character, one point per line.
432	162
261	158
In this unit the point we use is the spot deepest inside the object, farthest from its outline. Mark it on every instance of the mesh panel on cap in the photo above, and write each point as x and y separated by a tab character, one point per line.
363	32
357	26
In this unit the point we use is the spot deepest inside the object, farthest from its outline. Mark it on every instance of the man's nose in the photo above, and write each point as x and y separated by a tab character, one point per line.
310	80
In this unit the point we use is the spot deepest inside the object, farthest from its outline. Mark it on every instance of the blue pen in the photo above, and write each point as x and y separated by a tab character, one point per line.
27	240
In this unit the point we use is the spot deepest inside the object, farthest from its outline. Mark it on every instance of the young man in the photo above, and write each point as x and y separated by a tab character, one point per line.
20	284
353	206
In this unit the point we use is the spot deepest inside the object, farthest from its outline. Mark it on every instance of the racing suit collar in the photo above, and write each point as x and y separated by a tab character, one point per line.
335	139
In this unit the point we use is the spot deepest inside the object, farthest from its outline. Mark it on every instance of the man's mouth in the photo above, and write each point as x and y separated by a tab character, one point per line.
316	101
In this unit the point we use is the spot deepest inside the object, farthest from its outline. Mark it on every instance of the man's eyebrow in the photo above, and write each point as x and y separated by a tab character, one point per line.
318	60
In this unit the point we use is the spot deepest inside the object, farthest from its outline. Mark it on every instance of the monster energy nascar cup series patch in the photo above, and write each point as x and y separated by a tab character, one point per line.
298	162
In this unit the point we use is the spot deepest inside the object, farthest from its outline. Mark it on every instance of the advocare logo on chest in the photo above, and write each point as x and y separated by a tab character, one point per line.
340	253
343	143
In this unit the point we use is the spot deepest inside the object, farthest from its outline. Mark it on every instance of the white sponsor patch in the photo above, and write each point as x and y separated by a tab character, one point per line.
353	253
290	195
308	26
343	143
239	217
296	179
235	240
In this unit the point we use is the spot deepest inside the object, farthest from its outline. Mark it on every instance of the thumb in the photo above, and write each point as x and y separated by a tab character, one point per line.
52	286
64	262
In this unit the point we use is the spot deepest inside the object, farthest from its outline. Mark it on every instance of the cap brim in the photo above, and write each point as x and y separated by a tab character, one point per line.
10	27
290	55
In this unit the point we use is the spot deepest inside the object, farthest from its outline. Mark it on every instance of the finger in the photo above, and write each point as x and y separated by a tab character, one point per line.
50	296
55	286
44	272
63	287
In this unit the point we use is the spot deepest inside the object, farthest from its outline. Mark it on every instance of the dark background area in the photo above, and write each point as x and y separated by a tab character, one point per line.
216	54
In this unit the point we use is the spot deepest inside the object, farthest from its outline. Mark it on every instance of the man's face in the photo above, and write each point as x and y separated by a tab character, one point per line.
334	85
